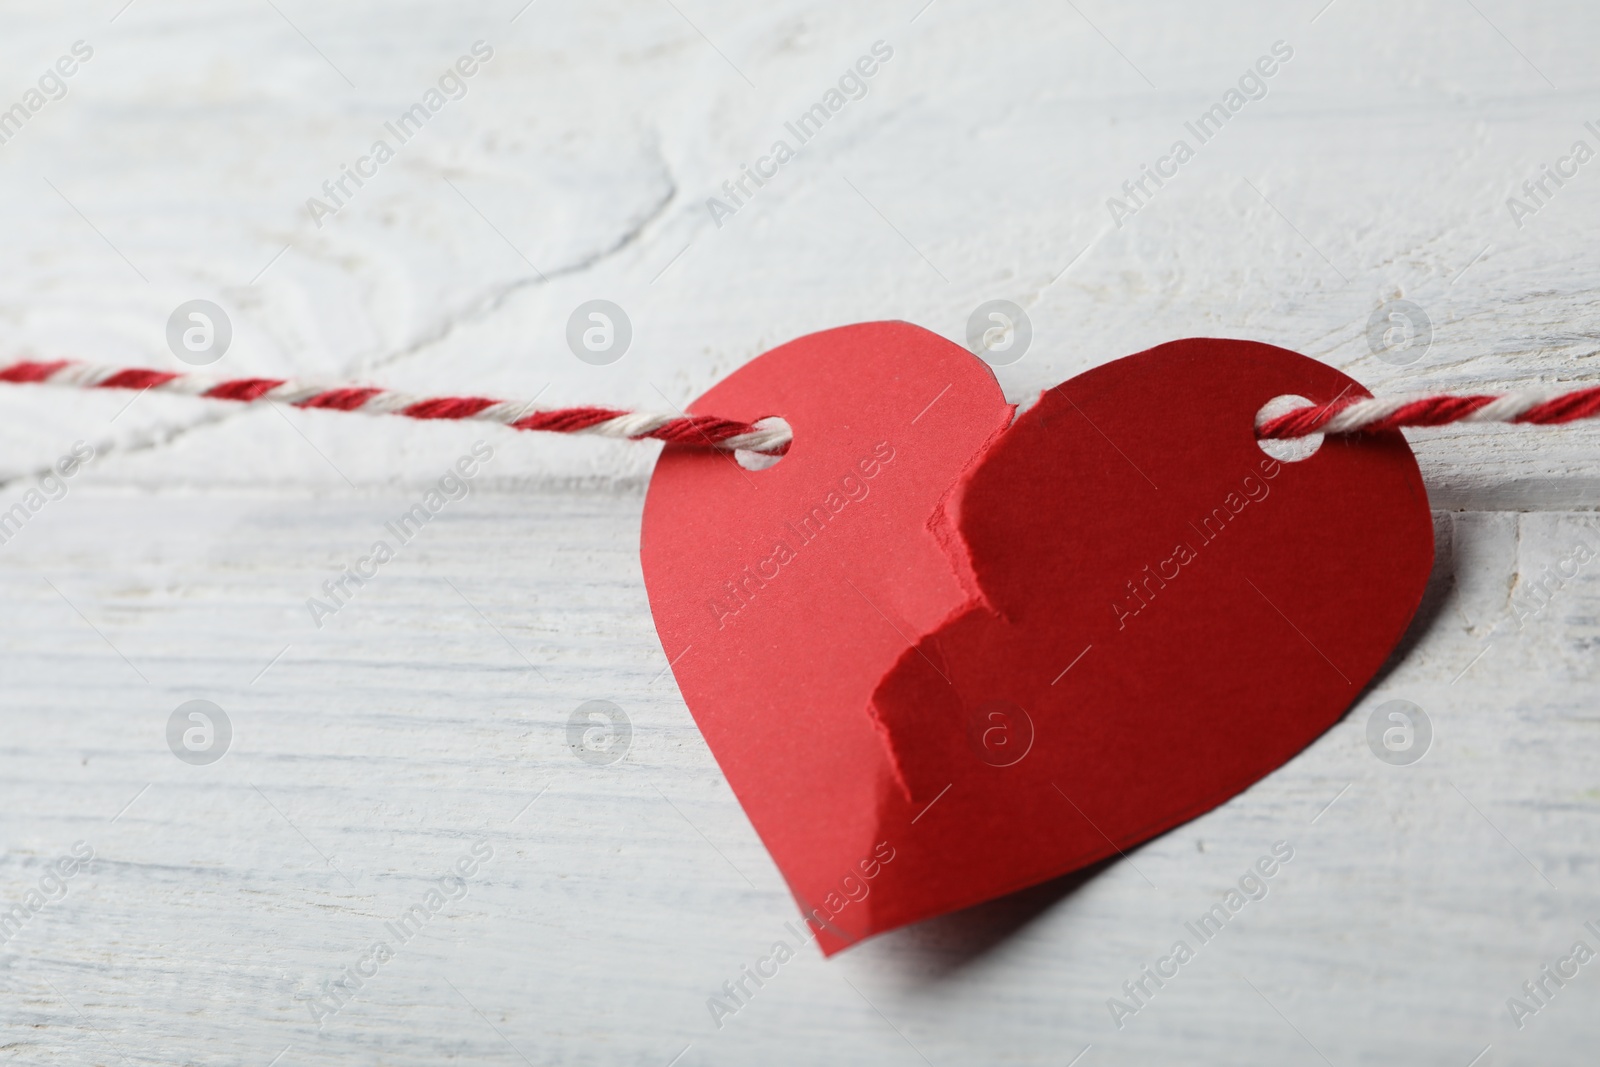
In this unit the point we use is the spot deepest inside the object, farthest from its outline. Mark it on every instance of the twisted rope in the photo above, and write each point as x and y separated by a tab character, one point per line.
1357	415
704	431
1345	416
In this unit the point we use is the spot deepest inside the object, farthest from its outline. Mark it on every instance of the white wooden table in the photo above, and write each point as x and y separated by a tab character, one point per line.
367	757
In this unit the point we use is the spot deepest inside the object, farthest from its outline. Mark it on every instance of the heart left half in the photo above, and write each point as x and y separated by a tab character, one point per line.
918	646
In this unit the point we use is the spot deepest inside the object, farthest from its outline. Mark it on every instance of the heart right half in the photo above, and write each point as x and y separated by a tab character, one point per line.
1128	613
1160	612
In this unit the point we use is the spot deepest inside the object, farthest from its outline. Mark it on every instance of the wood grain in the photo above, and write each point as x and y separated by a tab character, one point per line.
431	712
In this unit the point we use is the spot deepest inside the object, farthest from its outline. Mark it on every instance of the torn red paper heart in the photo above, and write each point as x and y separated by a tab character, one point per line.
941	656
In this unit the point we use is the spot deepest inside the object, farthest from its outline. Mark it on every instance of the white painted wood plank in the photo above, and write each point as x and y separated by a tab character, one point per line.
378	748
372	753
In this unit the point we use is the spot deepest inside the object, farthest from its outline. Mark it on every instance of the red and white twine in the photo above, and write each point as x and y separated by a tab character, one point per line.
707	431
1359	415
1345	416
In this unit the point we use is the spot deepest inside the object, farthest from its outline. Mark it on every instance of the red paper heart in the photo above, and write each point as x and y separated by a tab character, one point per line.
941	658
